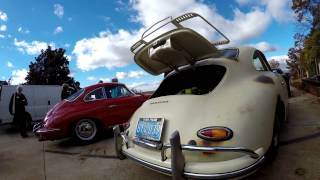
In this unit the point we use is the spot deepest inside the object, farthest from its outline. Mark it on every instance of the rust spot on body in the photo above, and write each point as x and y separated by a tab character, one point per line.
264	79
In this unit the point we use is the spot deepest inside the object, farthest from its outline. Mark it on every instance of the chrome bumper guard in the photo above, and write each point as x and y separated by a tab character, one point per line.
37	126
177	158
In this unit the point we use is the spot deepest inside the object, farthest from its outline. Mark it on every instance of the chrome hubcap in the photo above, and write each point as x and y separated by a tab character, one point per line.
86	130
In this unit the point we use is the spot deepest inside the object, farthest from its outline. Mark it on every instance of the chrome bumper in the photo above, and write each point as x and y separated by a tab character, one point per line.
177	158
37	126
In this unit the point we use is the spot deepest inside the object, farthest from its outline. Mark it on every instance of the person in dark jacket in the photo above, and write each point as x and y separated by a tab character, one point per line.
65	93
17	105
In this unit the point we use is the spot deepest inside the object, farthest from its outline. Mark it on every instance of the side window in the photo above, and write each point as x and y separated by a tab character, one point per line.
258	62
95	95
117	91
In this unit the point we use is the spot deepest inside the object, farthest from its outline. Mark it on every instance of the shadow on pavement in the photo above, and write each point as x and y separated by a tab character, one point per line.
300	139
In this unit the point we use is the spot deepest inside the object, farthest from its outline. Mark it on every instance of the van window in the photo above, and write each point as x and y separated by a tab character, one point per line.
75	95
191	81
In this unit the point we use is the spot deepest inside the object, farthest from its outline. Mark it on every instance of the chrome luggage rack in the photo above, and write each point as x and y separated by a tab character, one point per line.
177	23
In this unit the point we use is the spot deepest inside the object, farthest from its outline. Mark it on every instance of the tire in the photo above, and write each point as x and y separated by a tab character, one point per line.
85	130
274	146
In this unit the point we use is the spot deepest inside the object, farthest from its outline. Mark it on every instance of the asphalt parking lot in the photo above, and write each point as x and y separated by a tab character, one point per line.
298	157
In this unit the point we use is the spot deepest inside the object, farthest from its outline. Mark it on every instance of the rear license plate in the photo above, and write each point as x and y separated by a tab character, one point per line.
150	128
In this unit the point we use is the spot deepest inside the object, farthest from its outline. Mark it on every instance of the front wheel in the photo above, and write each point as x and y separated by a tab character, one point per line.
85	130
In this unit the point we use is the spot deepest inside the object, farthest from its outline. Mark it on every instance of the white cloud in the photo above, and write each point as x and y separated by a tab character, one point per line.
282	61
58	10
33	47
243	2
67	45
121	75
94	78
18	76
58	29
24	31
279	9
105	79
107	50
72	74
264	46
3	27
69	57
144	86
112	49
136	74
9	64
130	74
3	16
91	78
2	36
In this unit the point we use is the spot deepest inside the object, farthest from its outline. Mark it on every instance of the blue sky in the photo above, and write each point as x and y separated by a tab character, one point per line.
97	34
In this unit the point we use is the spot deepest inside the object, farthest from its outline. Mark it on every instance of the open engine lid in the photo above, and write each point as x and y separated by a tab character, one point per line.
175	48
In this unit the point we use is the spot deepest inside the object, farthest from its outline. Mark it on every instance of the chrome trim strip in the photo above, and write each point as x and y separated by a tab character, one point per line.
47	130
164	147
249	152
228	175
168	171
216	148
147	144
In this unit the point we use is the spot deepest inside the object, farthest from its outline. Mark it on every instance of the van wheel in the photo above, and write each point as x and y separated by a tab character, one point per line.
85	130
273	149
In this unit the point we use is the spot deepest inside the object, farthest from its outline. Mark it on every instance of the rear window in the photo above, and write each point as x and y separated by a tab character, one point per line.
75	95
193	81
230	53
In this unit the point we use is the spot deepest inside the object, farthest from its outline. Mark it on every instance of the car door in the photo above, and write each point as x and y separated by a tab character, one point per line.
122	103
95	104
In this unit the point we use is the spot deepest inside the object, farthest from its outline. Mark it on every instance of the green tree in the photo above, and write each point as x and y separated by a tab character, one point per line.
303	57
307	12
274	64
51	67
311	51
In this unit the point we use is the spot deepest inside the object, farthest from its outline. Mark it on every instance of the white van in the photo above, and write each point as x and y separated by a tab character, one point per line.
41	98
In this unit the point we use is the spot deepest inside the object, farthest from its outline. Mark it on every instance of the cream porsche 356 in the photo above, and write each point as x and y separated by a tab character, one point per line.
215	115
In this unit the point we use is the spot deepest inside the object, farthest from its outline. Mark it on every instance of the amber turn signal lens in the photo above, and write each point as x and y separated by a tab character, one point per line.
215	133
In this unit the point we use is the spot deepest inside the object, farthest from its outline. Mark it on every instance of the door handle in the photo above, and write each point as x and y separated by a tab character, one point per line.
112	106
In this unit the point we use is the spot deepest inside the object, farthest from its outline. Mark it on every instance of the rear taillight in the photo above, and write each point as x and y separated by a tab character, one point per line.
215	133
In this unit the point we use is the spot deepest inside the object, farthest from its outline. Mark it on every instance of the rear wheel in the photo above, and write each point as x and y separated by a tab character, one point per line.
85	130
273	149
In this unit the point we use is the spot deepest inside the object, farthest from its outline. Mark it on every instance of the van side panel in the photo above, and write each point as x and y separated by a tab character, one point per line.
6	94
41	98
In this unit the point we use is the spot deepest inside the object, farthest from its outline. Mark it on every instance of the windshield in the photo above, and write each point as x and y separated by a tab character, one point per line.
75	95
